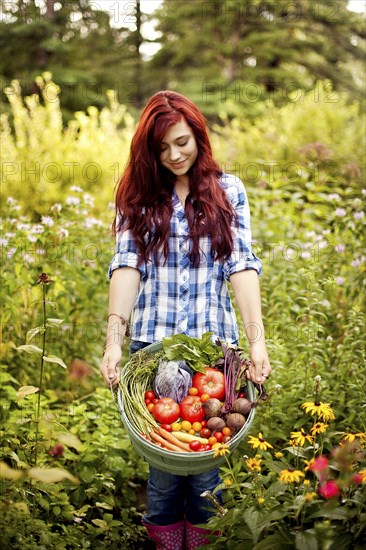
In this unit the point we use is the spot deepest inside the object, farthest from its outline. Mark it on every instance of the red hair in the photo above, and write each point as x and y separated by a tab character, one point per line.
143	196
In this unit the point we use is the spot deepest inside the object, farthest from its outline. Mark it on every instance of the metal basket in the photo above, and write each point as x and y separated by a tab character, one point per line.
175	462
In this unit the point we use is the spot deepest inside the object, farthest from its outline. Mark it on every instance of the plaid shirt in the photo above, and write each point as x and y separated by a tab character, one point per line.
179	298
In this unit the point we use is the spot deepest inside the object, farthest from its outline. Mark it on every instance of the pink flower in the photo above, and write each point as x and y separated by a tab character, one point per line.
57	451
329	489
319	464
357	479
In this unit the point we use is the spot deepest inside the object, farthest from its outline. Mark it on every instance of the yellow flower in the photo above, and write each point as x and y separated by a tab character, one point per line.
300	438
254	464
259	442
290	475
261	500
221	450
319	428
363	473
308	464
351	436
322	410
306	482
228	482
309	496
278	454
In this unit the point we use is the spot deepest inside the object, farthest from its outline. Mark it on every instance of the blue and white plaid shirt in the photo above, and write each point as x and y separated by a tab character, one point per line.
178	298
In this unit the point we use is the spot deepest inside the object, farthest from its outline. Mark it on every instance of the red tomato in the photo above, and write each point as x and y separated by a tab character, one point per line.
191	409
166	410
167	427
207	447
147	401
205	432
212	381
219	436
195	445
150	395
204	423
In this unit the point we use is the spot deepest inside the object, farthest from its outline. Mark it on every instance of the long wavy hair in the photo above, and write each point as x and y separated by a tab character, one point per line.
144	191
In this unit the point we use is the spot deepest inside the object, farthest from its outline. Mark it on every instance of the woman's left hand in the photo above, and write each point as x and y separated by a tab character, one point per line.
260	368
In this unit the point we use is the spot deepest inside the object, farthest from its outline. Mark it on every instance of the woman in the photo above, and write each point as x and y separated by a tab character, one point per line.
183	232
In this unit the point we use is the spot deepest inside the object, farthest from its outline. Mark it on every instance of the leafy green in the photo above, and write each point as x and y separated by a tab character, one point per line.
196	352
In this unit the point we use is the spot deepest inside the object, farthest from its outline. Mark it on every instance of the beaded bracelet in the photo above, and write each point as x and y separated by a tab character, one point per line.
124	321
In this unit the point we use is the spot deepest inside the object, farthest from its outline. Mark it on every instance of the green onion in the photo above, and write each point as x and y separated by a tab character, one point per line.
138	376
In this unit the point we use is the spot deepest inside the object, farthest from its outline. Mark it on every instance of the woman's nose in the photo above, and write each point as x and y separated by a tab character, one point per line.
174	154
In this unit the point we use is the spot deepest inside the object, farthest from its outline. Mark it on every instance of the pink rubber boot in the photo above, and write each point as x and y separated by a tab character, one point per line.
196	536
167	537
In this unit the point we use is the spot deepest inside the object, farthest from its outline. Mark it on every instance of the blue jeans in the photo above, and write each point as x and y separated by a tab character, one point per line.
171	498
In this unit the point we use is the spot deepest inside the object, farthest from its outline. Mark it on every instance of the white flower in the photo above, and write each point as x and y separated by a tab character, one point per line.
62	233
318	378
340	280
359	215
9	235
76	189
306	255
10	253
334	197
90	222
72	201
88	199
340	212
363	192
4	242
111	205
340	248
31	238
37	228
48	221
57	207
28	258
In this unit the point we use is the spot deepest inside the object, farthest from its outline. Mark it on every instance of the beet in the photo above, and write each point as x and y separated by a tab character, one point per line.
215	424
242	406
212	407
235	421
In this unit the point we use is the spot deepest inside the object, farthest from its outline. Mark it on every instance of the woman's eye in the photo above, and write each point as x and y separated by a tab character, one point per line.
183	144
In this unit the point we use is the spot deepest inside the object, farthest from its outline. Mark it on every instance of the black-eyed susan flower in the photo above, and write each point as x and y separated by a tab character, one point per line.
259	442
228	482
319	428
222	450
261	500
254	464
290	476
322	410
278	454
309	496
306	482
299	438
308	464
351	436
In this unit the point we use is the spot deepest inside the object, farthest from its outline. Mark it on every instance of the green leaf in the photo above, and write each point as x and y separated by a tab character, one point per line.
30	348
51	475
26	390
306	540
54	322
273	542
54	359
100	523
33	332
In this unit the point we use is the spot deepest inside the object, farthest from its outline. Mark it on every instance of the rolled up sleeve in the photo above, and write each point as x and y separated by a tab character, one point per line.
242	257
126	254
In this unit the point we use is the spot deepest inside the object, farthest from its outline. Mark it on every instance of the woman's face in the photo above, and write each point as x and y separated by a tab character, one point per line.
178	150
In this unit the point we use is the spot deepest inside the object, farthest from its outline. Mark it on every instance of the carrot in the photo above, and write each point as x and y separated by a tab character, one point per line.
165	443
173	439
187	438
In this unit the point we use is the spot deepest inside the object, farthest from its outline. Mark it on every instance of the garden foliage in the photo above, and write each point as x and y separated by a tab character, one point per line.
70	478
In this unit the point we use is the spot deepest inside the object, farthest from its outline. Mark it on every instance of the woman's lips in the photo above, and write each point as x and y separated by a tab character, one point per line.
178	164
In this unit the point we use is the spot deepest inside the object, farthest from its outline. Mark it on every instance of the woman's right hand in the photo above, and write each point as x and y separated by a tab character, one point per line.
110	369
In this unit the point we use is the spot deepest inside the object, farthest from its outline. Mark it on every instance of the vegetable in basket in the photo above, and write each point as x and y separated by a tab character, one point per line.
173	379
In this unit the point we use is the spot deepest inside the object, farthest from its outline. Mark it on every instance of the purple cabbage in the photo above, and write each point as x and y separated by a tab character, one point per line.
173	379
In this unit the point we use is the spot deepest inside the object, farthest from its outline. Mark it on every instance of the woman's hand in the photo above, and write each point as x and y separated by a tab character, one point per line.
110	364
260	368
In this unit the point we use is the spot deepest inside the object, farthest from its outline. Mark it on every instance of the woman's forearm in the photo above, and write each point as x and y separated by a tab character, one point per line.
123	291
245	285
246	290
